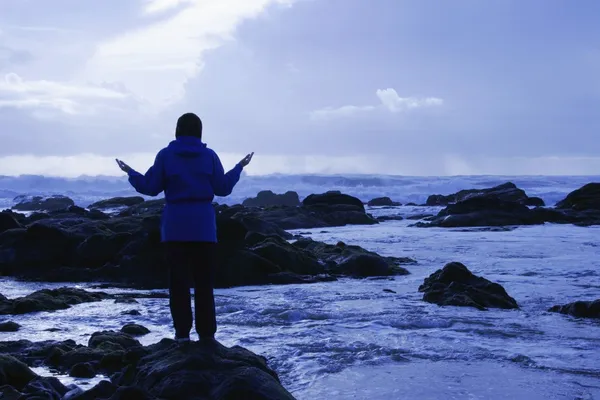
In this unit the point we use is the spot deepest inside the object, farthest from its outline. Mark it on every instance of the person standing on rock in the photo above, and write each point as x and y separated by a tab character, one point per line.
190	174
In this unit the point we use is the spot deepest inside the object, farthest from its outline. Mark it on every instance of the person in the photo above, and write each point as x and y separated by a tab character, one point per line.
191	175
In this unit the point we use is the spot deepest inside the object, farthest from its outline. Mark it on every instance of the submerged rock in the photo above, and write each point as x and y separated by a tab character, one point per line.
9	326
579	309
49	300
135	329
455	285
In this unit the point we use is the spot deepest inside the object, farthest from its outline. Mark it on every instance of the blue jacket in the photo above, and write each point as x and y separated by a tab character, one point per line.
191	175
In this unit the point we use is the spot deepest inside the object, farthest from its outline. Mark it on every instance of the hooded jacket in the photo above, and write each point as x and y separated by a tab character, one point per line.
191	175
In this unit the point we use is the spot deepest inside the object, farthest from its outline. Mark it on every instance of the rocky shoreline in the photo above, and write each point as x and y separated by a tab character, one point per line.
117	242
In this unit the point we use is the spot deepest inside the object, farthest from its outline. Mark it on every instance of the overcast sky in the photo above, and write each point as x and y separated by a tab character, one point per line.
416	87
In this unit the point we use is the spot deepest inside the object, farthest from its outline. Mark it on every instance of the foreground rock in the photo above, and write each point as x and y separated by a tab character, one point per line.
579	309
48	300
506	192
267	198
455	285
383	201
582	199
40	203
164	370
124	249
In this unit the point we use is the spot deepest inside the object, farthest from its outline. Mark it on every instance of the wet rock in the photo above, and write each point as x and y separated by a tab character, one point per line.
350	260
99	249
103	390
579	309
14	373
383	201
38	388
484	211
49	300
135	330
389	291
9	326
112	340
82	370
125	250
455	285
508	192
132	312
198	371
117	202
533	202
585	198
332	198
267	198
8	221
40	203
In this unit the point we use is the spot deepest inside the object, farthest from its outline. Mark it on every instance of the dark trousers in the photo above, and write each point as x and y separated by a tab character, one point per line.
195	260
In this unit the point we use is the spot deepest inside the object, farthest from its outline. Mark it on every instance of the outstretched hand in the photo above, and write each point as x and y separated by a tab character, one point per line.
124	167
246	160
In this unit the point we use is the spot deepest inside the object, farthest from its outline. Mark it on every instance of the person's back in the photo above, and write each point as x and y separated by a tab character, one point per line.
191	175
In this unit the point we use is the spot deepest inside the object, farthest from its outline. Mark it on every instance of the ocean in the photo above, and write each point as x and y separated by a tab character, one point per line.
350	339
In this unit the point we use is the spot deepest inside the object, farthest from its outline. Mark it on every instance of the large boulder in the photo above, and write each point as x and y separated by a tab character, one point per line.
382	201
508	192
332	198
117	202
579	309
584	198
455	285
200	370
41	203
14	373
267	198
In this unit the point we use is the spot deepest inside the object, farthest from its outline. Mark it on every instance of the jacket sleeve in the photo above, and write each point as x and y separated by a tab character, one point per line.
223	183
152	183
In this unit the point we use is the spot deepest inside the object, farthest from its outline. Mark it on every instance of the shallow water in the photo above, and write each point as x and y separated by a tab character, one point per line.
351	339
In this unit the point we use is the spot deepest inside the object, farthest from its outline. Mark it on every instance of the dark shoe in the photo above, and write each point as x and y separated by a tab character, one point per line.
181	340
208	341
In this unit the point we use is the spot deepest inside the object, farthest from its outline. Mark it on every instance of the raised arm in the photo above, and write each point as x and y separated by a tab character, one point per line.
151	183
223	183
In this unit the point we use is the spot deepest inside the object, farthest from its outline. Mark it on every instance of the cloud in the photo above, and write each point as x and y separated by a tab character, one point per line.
344	111
169	52
389	99
67	98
